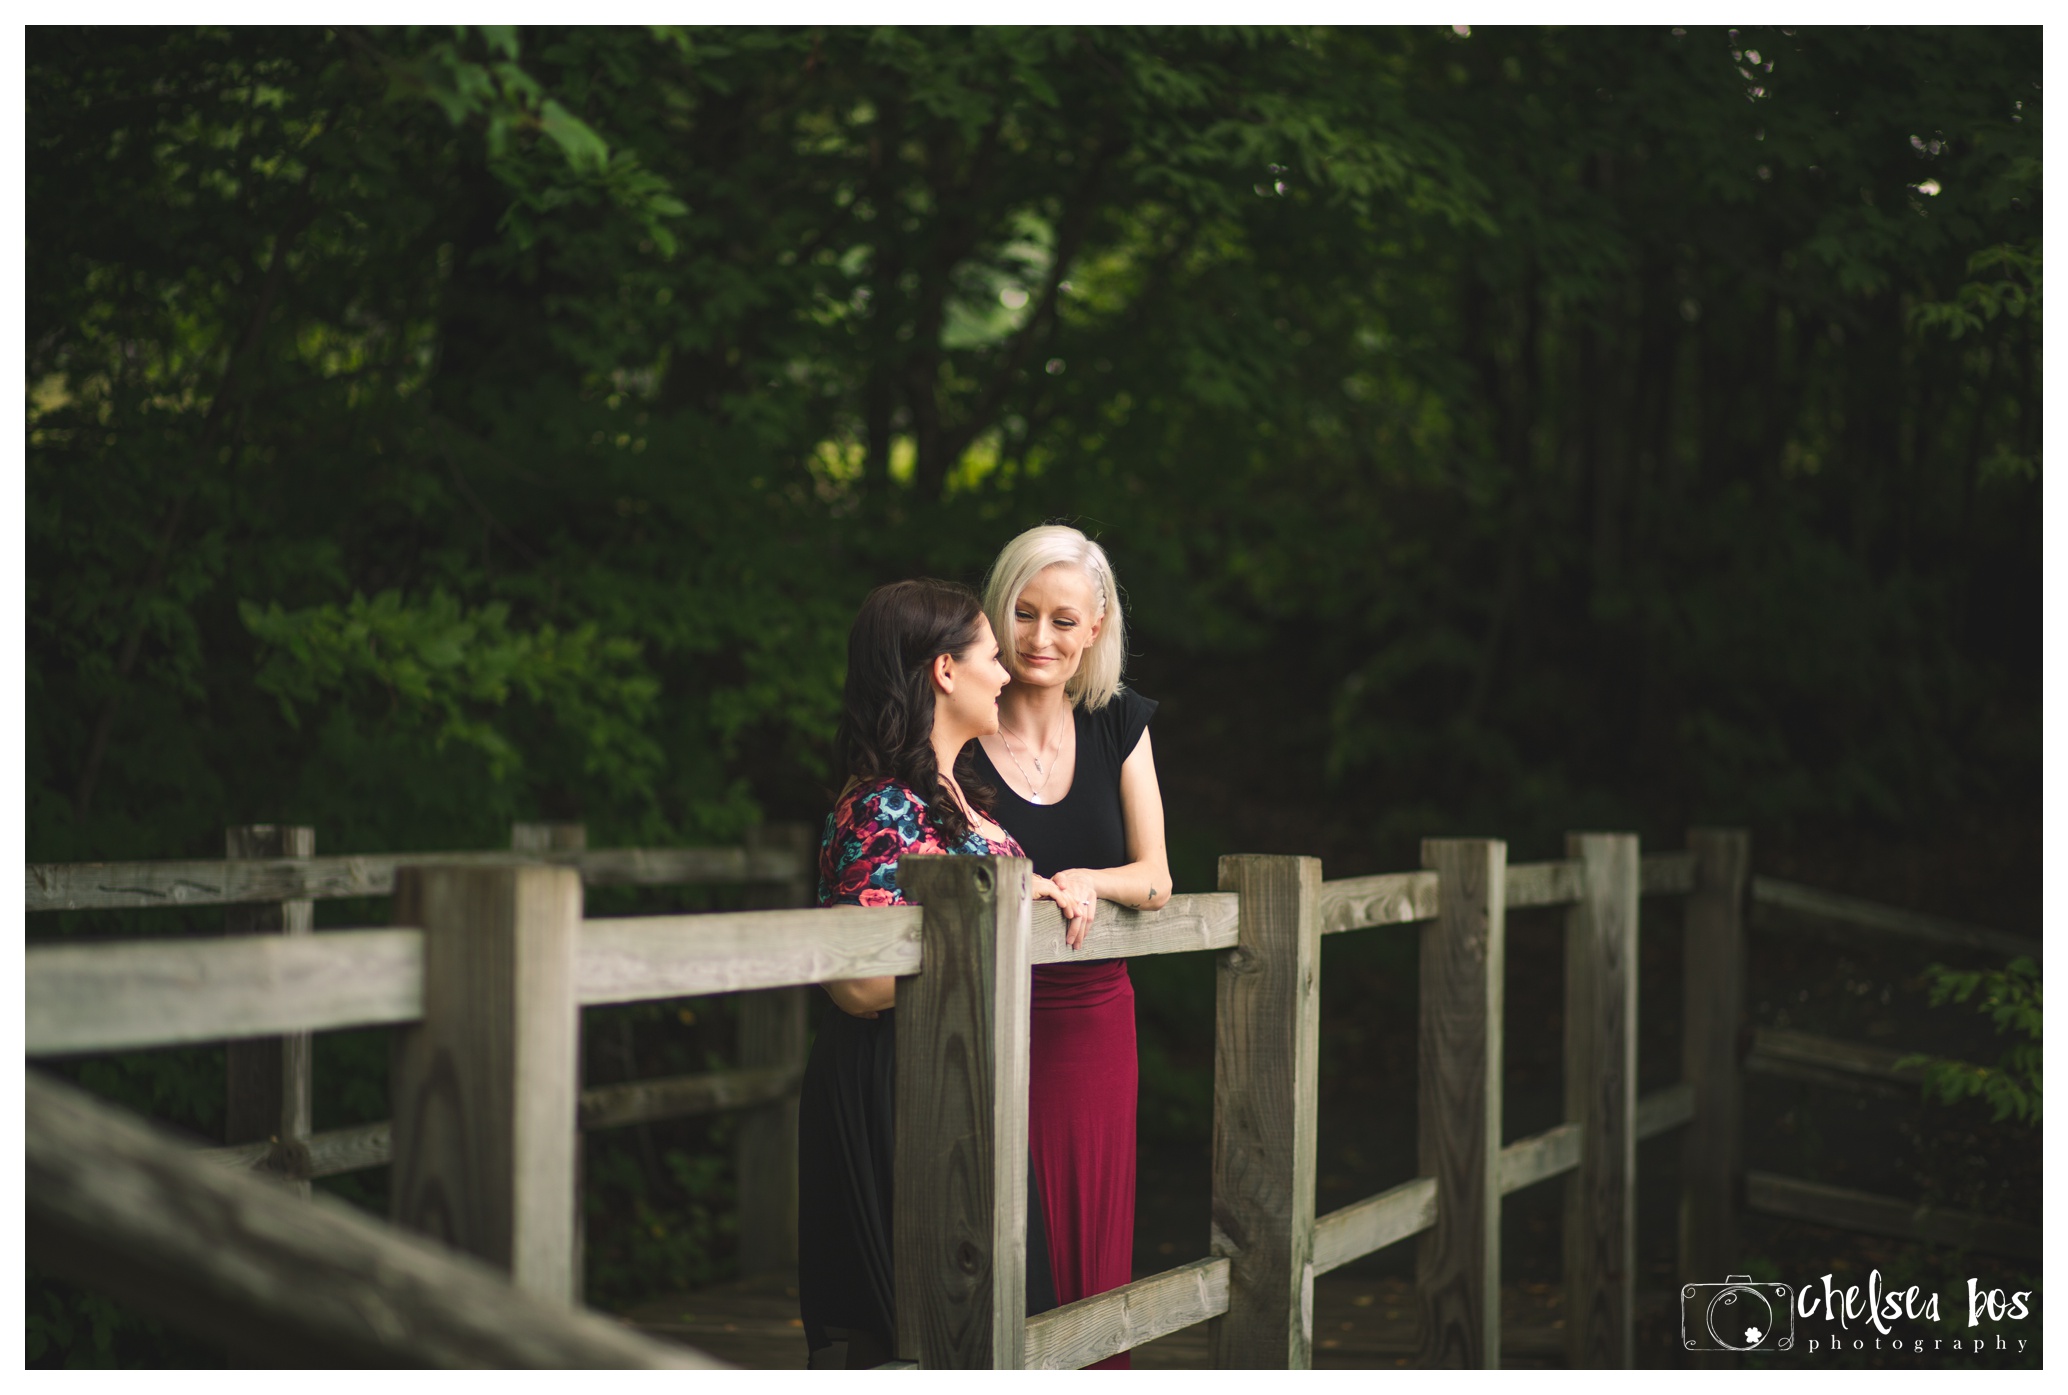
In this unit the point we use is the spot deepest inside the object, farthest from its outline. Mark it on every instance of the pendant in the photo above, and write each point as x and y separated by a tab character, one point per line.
1033	799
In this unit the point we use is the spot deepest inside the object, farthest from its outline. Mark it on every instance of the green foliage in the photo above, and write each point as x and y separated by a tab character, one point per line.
2010	998
460	667
78	1329
2014	291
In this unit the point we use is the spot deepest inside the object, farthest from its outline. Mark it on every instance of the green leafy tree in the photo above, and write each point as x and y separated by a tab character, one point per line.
2010	998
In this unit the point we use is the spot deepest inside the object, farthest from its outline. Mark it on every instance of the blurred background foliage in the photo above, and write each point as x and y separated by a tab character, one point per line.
1503	430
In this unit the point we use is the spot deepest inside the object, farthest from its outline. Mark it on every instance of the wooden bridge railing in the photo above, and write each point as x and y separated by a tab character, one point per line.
269	885
493	962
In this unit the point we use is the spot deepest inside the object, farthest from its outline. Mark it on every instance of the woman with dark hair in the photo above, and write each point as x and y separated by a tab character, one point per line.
923	679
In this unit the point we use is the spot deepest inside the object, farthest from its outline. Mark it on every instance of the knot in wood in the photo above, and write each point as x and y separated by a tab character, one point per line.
983	879
288	1159
967	1258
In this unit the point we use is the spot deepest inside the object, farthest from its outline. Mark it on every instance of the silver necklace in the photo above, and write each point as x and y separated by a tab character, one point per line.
962	802
1034	786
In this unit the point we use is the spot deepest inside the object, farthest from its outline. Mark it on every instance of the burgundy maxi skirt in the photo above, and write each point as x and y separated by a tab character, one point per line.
1081	1125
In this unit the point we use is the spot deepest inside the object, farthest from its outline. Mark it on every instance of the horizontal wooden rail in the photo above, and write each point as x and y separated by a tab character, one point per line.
1364	903
1824	1061
113	997
1406	898
1540	1157
86	998
1666	874
602	1107
1199	921
1915	925
642	958
1665	1110
323	1154
120	1206
1543	884
82	886
1845	1209
1364	1226
1091	1329
684	1096
1358	1229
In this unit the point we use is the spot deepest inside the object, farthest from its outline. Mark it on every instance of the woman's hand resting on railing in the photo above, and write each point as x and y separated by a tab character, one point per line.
1077	903
867	997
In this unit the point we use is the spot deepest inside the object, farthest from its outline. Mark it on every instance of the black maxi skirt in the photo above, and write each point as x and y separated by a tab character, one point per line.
845	1151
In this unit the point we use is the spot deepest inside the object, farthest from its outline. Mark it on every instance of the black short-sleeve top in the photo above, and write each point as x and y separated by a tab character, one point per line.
1082	829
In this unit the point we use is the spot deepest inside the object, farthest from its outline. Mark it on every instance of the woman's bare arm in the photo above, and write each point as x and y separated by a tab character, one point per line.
1143	883
863	997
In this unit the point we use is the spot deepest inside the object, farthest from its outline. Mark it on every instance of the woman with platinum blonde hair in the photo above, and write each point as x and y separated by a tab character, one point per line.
1075	776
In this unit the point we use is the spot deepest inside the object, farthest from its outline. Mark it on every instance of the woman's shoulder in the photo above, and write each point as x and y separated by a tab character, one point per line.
1125	716
871	827
887	803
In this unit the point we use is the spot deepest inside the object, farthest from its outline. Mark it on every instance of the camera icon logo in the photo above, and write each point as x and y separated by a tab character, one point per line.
1737	1315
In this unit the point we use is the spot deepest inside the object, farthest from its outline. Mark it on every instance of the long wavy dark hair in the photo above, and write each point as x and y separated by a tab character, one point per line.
886	710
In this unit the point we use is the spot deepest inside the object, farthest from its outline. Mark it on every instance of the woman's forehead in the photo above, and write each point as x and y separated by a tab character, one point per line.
1060	586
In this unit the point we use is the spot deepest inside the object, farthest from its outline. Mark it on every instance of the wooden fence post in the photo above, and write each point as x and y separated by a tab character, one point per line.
1601	1097
1712	1174
267	1091
960	1201
567	837
1266	1053
772	1032
1464	955
485	1085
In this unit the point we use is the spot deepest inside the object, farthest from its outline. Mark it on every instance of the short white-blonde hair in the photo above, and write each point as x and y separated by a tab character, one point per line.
1019	562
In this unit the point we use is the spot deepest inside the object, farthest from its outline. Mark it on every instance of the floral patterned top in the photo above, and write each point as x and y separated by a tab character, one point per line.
869	830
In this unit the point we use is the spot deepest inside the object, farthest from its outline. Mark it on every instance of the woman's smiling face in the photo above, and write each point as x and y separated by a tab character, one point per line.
1054	621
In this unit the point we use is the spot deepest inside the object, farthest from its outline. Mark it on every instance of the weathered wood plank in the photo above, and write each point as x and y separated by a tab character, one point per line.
266	1095
323	1154
1458	1260
772	1034
1544	883
165	993
1358	1229
116	997
1824	1061
1712	1176
1075	1335
1540	1157
641	958
960	1209
1666	874
1198	921
544	839
1666	1109
121	1207
1870	915
486	1084
81	886
1410	1208
1266	1058
1847	1209
602	1107
1362	903
541	839
683	1096
1601	1099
